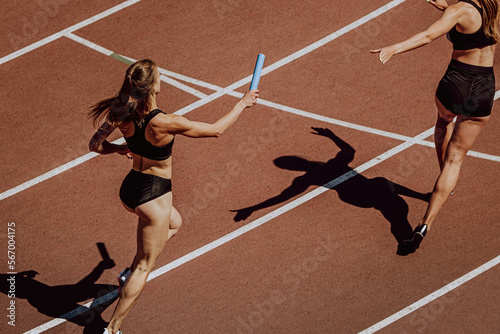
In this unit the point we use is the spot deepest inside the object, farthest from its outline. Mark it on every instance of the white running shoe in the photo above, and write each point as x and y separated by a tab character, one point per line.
106	331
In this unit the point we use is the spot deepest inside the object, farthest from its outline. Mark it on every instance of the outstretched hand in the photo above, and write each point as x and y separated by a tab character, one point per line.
123	150
439	4
250	98
385	53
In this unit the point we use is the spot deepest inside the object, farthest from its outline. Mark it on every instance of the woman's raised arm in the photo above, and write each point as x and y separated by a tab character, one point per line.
450	18
175	124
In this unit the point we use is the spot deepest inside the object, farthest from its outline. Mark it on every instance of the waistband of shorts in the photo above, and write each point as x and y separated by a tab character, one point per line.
468	67
147	176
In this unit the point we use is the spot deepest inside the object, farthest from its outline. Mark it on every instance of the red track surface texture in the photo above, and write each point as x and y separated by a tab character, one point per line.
326	265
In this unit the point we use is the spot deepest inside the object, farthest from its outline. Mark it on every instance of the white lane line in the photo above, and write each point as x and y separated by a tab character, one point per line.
190	80
174	75
334	121
182	86
482	155
88	44
108	53
242	230
204	98
362	128
61	33
52	173
74	313
51	324
433	296
332	36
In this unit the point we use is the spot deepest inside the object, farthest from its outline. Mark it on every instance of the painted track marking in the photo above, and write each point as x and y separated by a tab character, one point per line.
129	61
61	33
433	296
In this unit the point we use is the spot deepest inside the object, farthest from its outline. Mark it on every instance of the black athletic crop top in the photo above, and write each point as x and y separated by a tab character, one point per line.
475	40
139	145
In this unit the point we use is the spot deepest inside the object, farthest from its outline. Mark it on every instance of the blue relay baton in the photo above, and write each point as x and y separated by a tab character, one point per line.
257	71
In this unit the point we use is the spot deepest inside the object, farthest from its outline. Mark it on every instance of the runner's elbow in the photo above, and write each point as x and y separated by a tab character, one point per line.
95	147
427	37
217	131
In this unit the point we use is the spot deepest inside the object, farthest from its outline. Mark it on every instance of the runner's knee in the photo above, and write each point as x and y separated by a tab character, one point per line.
146	264
455	154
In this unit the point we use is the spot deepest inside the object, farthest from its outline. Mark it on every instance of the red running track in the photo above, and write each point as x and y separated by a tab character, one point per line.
328	265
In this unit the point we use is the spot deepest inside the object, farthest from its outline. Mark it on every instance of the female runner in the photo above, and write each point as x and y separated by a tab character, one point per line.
466	91
146	190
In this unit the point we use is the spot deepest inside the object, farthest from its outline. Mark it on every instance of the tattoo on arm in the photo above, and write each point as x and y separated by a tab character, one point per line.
100	136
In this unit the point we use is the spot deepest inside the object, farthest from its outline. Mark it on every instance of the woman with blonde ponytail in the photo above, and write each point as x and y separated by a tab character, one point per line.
147	189
465	93
490	19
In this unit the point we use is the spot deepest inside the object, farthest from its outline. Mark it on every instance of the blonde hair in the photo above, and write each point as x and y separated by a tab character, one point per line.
133	100
490	19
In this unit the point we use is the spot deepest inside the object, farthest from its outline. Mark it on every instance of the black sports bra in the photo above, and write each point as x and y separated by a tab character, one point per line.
138	144
475	40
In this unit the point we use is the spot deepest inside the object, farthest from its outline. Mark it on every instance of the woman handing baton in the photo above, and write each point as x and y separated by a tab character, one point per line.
146	191
466	91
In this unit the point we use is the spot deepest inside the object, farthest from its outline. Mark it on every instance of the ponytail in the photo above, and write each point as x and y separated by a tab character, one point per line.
490	19
133	101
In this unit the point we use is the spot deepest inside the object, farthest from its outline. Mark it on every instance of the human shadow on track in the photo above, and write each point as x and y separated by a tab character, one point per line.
61	301
378	193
